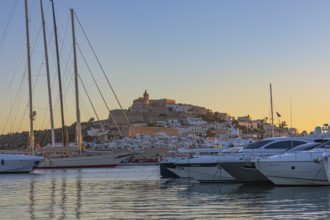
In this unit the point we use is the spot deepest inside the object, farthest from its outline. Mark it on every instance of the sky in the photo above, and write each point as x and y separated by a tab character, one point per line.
218	54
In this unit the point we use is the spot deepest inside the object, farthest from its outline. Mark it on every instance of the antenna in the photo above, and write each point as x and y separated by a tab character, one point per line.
290	112
271	107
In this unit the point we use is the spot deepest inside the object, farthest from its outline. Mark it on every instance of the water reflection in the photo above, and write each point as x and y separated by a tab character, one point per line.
67	194
52	199
264	201
31	212
123	194
78	200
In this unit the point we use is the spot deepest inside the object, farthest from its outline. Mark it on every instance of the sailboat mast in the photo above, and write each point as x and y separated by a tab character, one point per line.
290	112
48	75
76	81
271	107
59	75
31	138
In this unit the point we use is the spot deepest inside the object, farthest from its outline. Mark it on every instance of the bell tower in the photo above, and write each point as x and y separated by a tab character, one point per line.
146	97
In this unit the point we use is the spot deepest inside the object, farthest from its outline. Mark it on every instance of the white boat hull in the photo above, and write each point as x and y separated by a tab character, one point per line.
208	174
182	173
294	172
95	161
207	168
244	171
204	168
12	163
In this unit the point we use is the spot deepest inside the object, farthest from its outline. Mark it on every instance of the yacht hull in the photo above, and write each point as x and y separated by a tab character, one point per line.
165	170
180	172
94	161
294	172
244	172
18	163
206	173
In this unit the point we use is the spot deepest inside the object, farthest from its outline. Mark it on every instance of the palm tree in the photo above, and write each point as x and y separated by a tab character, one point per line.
283	124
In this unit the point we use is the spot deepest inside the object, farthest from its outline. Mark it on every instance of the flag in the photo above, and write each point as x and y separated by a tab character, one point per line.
278	114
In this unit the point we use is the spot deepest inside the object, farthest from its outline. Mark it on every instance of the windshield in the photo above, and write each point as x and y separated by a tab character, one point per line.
257	144
303	147
324	145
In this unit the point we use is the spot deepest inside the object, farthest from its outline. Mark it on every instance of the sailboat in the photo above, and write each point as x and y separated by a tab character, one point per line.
20	163
74	157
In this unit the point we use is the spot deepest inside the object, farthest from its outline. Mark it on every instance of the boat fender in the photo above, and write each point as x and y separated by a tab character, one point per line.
320	160
2	162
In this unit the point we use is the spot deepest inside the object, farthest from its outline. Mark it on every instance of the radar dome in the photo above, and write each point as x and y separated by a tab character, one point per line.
318	130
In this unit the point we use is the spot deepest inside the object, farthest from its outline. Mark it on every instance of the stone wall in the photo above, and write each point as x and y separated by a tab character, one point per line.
133	131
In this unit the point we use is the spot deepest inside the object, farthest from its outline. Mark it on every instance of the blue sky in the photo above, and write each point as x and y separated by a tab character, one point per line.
213	53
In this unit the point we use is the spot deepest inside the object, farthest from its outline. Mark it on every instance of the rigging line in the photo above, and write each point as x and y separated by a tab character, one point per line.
24	115
12	105
34	86
18	99
49	89
44	123
26	109
63	46
94	108
66	67
57	100
51	48
219	169
98	61
66	31
114	120
20	61
67	87
98	88
84	109
35	42
42	135
320	170
8	22
90	101
32	52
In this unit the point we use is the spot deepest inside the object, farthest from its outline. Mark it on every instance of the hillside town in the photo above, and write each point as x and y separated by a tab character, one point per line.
149	117
150	123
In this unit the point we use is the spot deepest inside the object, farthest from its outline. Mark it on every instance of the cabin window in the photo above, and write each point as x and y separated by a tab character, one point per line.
257	144
285	145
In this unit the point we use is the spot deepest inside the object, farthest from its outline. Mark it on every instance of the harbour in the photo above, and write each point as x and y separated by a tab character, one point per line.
138	192
195	136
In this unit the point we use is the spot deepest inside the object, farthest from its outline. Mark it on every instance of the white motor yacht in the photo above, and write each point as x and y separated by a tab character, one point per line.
245	171
208	168
17	163
204	168
297	168
168	167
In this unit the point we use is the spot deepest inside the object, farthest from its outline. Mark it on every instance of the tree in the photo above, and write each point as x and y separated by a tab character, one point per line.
283	124
264	120
211	133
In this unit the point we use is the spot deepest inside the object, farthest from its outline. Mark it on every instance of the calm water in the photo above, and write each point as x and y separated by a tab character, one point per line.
139	193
